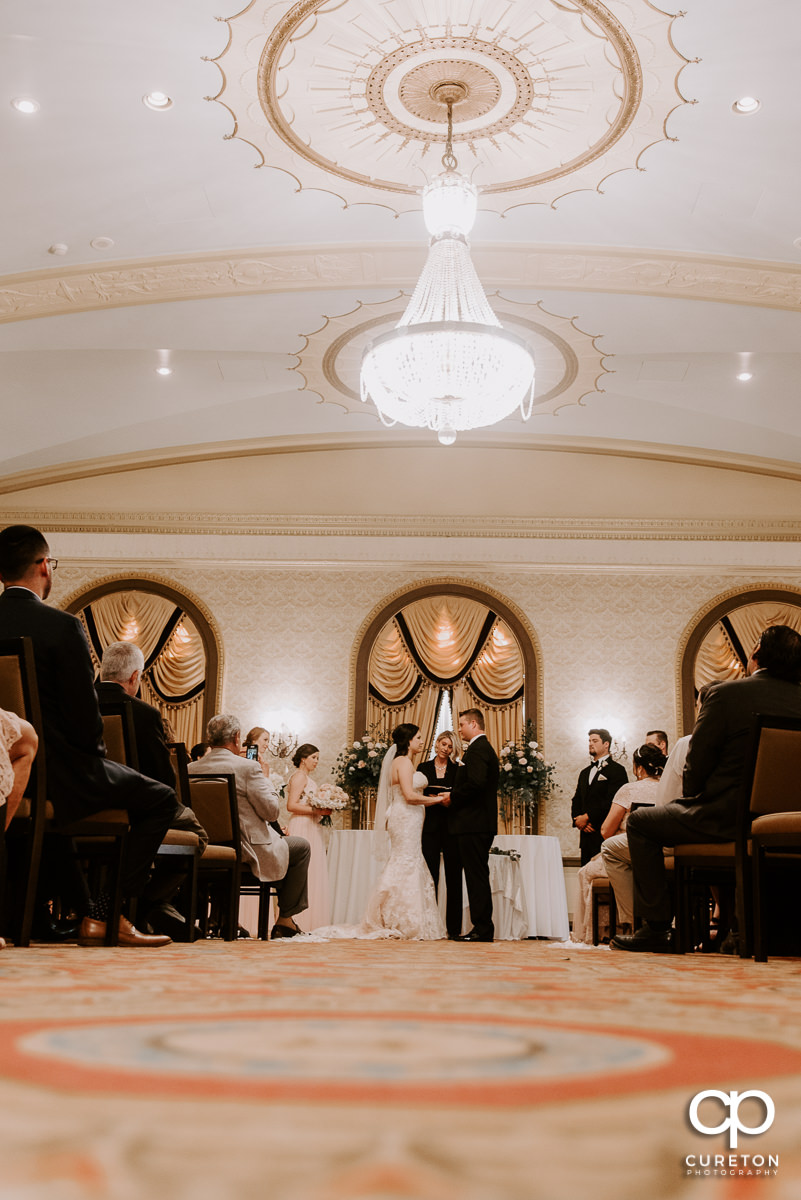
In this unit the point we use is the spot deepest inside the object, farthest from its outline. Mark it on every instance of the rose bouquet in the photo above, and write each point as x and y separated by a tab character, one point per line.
330	798
526	778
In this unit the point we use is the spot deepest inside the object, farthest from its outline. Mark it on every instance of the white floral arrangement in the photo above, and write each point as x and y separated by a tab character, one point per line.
359	764
525	775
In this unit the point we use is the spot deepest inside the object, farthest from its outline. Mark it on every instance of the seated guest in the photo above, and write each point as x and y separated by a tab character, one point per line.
197	751
658	738
80	779
269	855
713	778
649	763
120	675
615	850
18	743
440	772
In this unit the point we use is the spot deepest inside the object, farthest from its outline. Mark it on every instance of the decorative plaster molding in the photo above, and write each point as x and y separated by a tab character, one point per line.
333	443
434	526
342	100
381	265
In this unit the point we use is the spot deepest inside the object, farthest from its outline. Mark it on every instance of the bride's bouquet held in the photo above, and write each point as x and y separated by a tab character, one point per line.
328	798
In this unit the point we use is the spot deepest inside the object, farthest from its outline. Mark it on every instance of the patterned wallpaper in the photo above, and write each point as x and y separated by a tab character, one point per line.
609	644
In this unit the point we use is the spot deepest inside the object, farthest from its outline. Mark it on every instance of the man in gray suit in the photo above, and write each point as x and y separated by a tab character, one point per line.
714	775
265	850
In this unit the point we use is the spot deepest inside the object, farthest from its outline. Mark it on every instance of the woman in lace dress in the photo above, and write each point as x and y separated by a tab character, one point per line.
403	904
649	762
305	823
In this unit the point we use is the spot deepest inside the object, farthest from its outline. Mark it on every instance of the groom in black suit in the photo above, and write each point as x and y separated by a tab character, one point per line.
473	820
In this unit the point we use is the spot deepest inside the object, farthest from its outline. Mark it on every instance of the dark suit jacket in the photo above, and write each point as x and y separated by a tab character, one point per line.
77	783
151	743
436	818
714	773
474	798
596	798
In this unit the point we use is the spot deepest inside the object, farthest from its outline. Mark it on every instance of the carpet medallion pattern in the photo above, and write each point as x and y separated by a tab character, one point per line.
388	1070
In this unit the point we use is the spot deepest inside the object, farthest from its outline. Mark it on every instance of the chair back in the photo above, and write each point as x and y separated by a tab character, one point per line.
213	801
19	694
774	786
178	760
119	734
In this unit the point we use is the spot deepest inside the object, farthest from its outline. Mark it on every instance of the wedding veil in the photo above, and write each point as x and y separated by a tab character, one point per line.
382	806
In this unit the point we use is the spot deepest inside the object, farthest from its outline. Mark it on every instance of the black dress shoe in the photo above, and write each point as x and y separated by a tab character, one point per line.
279	931
50	930
656	941
473	936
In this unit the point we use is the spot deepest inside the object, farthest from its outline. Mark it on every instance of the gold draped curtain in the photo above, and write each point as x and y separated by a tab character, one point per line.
452	643
175	661
734	636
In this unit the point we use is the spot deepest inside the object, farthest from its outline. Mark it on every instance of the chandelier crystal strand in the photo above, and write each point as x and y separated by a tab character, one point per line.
448	365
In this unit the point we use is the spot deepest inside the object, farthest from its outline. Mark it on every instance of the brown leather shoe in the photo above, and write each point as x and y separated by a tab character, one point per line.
93	933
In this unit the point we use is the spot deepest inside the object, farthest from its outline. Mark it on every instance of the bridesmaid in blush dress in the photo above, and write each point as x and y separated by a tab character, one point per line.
305	822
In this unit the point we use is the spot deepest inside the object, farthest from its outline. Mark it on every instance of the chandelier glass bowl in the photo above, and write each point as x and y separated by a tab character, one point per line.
448	365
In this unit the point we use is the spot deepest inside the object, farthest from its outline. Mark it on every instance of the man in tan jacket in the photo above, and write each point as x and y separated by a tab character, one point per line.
265	850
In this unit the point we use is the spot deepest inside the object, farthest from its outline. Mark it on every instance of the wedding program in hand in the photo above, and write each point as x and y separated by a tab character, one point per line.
403	903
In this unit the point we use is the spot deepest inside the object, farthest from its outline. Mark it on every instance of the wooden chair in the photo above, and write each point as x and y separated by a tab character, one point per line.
769	787
102	834
23	850
249	885
213	800
776	823
602	895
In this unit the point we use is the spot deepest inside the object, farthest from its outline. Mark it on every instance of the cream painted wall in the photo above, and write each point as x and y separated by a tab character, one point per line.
490	481
609	643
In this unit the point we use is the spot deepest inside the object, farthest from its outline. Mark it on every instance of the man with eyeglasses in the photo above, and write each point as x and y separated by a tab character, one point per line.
80	779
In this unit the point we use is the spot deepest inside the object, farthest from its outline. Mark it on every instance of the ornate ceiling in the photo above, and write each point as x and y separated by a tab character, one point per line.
642	236
558	96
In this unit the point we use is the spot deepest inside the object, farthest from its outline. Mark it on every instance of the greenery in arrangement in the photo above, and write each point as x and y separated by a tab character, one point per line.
359	764
526	778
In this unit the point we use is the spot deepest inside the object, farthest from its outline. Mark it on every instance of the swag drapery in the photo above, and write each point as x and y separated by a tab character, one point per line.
448	643
174	678
724	652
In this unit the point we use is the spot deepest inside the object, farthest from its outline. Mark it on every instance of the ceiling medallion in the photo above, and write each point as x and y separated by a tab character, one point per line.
557	100
569	363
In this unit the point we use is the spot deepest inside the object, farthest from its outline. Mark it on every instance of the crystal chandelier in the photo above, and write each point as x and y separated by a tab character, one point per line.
448	364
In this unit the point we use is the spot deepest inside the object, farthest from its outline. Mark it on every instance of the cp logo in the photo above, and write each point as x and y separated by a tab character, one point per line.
732	1101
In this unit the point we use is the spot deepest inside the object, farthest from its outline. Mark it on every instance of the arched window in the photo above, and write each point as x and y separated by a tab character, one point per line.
446	642
181	673
720	640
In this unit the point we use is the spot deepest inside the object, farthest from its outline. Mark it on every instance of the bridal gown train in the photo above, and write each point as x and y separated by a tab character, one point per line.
403	903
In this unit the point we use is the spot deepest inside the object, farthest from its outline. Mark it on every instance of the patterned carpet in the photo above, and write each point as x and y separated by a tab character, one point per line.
387	1071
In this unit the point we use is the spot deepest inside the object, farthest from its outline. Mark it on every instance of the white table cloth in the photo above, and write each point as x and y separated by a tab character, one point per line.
529	898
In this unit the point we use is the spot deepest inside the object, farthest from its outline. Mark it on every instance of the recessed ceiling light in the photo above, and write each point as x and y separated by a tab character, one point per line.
58	248
164	370
744	376
797	243
24	104
158	101
102	243
747	105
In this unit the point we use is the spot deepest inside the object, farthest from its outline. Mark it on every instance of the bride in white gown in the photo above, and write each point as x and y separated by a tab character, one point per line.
403	903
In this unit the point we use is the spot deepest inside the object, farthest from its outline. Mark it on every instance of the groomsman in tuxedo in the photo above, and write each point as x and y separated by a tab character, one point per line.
595	790
473	820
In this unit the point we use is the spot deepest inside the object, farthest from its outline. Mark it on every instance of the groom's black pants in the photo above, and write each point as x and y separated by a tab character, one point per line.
434	844
474	851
